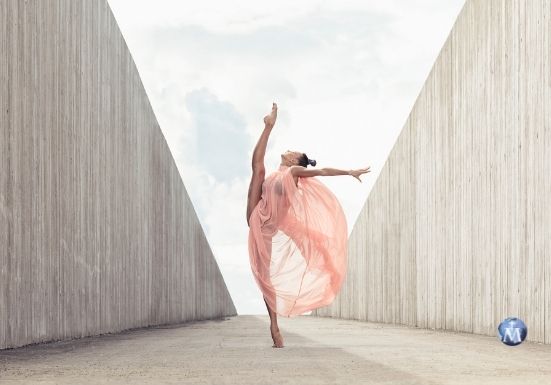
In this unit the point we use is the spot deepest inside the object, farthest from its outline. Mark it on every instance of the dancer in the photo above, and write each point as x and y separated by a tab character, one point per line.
297	233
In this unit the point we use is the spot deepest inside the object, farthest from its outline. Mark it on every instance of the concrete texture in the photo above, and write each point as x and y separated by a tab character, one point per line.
97	231
456	232
318	351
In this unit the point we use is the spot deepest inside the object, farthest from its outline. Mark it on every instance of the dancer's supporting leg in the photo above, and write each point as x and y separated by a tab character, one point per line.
254	194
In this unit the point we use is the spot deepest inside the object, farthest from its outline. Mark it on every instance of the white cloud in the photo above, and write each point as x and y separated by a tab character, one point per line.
344	73
221	141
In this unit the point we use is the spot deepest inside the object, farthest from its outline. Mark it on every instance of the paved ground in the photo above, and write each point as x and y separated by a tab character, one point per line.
318	351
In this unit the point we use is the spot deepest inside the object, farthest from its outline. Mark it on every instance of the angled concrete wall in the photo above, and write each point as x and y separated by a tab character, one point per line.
456	233
97	232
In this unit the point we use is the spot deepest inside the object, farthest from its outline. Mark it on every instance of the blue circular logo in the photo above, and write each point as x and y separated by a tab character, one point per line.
512	331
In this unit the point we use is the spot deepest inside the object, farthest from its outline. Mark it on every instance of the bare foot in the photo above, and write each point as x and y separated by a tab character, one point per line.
270	119
276	336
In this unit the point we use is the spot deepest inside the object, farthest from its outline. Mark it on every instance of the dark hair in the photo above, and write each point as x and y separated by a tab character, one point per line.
304	161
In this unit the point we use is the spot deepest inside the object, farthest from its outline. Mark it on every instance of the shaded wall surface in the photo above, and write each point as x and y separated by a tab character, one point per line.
456	233
97	232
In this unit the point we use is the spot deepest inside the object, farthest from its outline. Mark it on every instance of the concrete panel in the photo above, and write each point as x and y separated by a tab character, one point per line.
456	233
97	230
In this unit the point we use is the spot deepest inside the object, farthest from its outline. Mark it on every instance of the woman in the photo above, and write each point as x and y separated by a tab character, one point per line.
297	233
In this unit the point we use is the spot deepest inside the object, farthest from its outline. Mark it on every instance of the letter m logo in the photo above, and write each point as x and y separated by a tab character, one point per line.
512	335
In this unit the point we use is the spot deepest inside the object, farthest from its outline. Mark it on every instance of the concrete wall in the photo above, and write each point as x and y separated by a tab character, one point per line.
97	232
456	233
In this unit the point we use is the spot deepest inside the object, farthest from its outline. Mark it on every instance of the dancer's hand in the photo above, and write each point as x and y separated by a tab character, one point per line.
356	173
269	120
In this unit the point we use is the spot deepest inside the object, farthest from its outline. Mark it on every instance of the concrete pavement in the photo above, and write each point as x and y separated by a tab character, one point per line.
237	350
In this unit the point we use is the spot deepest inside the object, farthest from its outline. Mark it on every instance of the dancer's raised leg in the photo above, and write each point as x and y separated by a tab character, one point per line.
253	197
259	171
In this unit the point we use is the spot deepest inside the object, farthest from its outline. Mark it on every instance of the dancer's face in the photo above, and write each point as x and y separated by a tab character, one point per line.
290	158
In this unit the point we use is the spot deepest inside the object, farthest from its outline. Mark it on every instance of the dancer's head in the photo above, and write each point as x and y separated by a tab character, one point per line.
296	158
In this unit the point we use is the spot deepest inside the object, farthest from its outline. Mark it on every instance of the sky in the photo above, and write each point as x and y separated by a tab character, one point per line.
345	76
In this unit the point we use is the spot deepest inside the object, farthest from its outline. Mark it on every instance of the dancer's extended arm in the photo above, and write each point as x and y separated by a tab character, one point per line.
260	148
304	172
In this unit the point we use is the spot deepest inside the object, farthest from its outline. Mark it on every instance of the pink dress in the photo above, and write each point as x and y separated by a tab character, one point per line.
297	243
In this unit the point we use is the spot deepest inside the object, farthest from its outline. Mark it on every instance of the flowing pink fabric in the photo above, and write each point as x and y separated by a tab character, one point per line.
297	243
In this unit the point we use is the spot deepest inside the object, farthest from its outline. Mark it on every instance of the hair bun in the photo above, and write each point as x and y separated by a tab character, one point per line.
312	162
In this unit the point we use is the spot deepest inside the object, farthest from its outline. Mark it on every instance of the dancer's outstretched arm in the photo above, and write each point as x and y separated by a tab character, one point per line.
304	172
260	148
